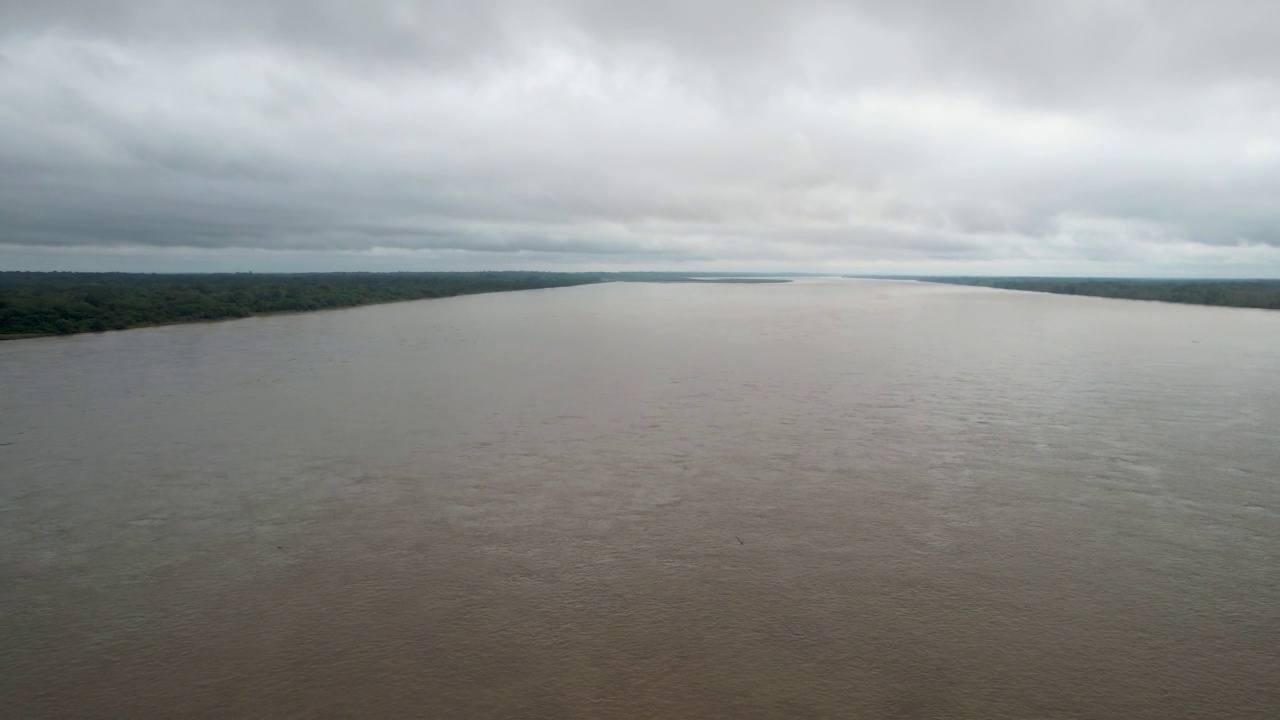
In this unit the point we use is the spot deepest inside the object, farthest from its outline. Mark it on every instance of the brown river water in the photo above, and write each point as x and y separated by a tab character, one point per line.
827	499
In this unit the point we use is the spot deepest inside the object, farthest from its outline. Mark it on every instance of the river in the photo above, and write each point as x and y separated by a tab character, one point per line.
827	498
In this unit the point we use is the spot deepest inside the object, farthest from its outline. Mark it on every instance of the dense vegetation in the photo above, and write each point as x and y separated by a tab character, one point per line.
63	303
59	303
1232	293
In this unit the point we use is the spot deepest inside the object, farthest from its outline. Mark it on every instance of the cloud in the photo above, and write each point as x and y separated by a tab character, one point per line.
1033	137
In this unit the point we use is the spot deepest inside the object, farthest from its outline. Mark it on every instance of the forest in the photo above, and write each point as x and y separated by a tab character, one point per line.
63	303
53	303
1263	294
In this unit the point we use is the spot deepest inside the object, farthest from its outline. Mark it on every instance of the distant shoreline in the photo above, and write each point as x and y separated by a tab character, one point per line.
34	304
720	281
1256	294
42	304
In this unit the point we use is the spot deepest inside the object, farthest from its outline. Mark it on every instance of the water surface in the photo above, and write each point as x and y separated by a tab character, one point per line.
817	499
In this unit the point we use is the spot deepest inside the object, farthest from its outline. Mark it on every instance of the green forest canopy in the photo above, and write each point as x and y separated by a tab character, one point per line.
62	303
1263	294
53	303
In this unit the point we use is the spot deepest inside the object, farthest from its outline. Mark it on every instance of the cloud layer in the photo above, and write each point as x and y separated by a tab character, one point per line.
1020	137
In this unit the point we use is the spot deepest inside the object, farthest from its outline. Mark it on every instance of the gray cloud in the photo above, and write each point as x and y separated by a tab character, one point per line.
915	136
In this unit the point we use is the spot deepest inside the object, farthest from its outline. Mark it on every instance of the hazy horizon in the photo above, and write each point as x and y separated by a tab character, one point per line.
685	272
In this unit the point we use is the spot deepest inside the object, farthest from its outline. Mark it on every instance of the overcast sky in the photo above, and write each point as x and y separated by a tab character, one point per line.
1020	137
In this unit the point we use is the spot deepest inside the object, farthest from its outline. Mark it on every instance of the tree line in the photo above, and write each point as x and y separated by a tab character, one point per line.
1263	294
38	303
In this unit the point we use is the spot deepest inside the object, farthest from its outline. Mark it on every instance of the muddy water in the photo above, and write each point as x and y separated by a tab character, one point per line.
820	499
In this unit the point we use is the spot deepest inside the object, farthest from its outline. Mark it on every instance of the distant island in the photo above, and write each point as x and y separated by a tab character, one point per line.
62	303
1263	294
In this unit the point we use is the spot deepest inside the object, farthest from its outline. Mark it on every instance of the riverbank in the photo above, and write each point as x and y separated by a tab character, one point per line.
1261	294
39	304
